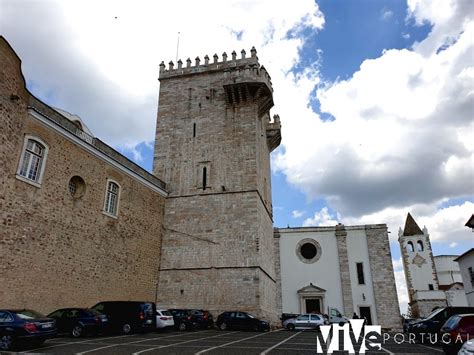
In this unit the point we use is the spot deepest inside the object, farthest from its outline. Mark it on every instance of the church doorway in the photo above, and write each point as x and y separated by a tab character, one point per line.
365	313
313	305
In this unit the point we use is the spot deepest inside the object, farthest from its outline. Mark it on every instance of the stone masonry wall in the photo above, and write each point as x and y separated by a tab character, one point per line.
341	236
383	277
57	250
218	227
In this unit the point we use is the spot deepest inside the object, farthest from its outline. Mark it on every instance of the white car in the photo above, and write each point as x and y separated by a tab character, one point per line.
305	321
164	319
467	348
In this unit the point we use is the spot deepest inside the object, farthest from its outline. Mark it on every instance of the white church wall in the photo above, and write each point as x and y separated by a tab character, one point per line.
447	270
357	251
296	274
466	261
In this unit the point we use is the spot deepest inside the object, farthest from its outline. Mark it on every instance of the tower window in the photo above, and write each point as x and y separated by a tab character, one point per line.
204	178
194	129
419	245
360	273
430	287
410	247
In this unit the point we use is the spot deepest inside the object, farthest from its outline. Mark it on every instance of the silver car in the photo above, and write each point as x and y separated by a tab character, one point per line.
305	321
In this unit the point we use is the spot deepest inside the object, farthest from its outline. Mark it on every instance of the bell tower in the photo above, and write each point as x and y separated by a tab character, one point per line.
420	271
214	136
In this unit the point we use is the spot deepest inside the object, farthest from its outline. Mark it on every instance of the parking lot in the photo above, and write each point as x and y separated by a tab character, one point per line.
208	342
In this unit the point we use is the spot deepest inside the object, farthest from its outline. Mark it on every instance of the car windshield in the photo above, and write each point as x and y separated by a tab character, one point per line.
452	322
166	313
91	312
250	315
28	314
434	313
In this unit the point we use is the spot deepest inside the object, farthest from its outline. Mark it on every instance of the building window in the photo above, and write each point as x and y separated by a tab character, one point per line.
112	198
308	250
410	247
430	287
76	187
33	160
471	274
419	245
204	178
194	130
360	273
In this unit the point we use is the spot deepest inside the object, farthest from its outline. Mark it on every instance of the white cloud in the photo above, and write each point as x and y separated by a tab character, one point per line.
101	59
387	14
402	134
297	214
453	244
321	218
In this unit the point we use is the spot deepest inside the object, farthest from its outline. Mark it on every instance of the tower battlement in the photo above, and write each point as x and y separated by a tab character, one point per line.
243	69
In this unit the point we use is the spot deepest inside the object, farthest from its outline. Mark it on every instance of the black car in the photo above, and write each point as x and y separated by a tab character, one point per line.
241	321
428	329
79	321
24	326
128	316
407	322
190	319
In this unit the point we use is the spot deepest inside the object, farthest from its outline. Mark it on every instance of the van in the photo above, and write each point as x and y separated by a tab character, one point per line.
334	316
128	316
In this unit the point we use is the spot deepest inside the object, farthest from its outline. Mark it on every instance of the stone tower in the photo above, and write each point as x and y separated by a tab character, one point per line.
420	271
214	137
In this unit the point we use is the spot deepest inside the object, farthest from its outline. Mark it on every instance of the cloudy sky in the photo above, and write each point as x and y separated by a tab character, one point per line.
375	97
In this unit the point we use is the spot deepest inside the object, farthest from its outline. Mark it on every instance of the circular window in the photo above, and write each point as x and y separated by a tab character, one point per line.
77	186
308	250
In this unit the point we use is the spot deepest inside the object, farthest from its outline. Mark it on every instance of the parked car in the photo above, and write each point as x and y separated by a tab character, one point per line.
188	319
24	326
467	348
456	331
286	316
164	319
79	321
305	321
431	325
407	322
128	316
241	321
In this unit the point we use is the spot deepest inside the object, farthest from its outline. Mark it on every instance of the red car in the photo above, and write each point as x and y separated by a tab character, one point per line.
456	331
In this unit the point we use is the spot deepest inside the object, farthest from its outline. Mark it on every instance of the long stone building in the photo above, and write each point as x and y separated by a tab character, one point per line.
81	223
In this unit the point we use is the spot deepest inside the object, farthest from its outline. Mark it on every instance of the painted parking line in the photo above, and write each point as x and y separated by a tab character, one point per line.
233	342
183	342
281	342
134	342
431	348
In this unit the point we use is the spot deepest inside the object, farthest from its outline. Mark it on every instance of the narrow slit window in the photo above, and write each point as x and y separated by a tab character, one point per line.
360	273
204	178
194	129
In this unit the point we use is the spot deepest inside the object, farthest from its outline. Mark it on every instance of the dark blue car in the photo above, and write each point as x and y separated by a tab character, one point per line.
19	327
79	321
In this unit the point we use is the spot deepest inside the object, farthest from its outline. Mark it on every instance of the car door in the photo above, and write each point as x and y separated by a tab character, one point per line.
70	318
302	322
240	320
315	320
60	321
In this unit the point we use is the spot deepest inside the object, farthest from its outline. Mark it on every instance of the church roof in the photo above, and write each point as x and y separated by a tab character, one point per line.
411	228
470	223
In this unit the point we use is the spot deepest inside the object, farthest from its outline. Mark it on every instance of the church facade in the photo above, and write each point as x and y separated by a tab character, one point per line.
81	223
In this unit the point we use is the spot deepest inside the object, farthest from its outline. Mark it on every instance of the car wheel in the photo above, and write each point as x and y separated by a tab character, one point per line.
182	326
76	331
7	342
126	328
223	326
290	327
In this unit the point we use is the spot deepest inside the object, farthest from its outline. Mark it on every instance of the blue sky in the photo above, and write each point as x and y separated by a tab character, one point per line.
375	97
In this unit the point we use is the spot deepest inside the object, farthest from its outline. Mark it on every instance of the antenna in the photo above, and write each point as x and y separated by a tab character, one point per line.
177	48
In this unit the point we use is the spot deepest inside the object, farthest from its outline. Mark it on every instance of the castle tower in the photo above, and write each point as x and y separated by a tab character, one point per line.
420	271
214	137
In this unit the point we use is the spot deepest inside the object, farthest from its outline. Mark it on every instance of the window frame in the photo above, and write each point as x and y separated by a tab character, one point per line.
420	245
104	210
38	182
